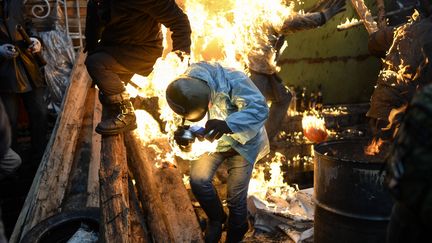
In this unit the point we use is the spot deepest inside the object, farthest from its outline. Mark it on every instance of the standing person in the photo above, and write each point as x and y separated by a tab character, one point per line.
124	38
406	51
237	112
262	63
21	76
9	160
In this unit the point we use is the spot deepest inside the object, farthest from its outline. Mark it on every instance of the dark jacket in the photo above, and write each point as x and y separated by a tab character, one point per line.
5	131
20	74
130	30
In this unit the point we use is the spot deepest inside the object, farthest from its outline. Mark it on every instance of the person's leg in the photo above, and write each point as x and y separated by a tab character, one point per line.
10	102
279	106
2	234
239	174
109	75
273	90
37	111
201	175
10	162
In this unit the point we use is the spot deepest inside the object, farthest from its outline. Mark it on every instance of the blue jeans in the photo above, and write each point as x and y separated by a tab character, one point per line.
239	174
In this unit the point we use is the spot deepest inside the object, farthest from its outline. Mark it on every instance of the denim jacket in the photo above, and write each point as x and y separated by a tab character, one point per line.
235	99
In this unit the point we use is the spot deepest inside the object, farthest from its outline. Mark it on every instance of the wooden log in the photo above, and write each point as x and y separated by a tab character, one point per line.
165	200
139	232
365	15
77	193
114	198
382	22
93	185
49	185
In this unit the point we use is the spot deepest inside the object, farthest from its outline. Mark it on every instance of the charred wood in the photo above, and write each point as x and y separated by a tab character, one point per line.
165	200
114	199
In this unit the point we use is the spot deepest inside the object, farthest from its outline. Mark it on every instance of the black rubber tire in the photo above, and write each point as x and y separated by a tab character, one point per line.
60	227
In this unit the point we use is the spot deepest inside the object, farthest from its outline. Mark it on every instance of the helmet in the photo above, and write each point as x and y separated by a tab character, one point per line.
189	97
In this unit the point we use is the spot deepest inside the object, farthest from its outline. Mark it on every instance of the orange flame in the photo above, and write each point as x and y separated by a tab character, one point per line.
275	186
374	147
314	128
392	118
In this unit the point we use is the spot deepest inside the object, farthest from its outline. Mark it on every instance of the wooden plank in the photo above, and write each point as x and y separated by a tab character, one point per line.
49	184
365	15
114	198
93	185
76	194
165	200
382	21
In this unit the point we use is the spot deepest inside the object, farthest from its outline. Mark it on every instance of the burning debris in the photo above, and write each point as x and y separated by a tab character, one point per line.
277	206
348	24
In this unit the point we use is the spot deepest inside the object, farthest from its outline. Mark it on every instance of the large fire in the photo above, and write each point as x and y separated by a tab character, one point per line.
226	31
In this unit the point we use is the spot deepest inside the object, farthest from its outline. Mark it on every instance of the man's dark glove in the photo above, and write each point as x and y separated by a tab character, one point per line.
214	129
184	138
333	7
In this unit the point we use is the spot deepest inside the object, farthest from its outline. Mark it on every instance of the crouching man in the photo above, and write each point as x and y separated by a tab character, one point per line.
236	113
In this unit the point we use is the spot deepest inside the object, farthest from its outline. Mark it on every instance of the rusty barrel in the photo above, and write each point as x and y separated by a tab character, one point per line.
352	203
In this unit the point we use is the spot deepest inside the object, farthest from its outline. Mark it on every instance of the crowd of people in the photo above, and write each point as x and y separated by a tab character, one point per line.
124	38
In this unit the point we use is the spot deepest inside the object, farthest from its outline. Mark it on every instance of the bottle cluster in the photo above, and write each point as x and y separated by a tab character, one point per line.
303	101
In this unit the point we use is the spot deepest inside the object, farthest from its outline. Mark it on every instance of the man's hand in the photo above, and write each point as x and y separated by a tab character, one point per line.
214	129
8	51
35	46
333	7
184	138
180	138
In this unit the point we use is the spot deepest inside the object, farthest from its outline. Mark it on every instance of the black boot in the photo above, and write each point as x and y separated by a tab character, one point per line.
236	233
121	115
216	219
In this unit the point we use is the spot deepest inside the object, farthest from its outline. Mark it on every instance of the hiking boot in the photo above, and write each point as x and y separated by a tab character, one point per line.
121	116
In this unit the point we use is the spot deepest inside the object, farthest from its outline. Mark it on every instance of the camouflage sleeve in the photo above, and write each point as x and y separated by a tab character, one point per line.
412	155
299	22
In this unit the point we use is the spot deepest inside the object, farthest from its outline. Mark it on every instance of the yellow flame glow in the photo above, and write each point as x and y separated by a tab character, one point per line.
275	186
229	30
226	31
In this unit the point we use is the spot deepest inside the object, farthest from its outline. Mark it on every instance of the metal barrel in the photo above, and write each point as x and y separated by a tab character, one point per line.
352	203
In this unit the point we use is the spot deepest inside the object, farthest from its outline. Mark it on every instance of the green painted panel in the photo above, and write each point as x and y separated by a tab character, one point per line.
339	60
